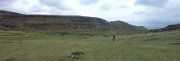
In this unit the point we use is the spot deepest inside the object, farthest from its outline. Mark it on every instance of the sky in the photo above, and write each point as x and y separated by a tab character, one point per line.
148	13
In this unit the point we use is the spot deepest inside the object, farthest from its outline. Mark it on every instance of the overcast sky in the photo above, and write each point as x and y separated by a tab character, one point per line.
154	13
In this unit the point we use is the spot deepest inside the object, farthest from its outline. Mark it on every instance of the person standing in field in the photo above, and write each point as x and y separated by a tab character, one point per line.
114	37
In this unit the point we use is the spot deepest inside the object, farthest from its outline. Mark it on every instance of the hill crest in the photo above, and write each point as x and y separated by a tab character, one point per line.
69	24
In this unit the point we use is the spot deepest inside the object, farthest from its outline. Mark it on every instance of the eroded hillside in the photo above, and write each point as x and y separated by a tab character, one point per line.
65	24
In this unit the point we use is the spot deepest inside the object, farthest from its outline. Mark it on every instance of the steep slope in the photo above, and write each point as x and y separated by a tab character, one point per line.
3	12
125	27
66	24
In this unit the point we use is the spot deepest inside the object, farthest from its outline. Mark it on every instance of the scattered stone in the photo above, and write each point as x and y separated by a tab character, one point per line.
177	39
20	43
77	54
9	59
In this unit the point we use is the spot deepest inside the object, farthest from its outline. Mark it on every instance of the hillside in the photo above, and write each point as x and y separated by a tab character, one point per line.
63	24
167	28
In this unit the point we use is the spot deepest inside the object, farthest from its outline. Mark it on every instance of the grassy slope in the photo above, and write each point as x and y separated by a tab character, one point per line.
139	47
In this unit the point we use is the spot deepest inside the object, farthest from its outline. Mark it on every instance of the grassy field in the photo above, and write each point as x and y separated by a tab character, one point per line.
162	46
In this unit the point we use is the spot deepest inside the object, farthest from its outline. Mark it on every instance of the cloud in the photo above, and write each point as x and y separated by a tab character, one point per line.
5	4
88	2
6	1
58	4
161	16
156	3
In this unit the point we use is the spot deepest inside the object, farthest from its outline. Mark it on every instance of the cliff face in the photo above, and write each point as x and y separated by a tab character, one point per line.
52	23
42	22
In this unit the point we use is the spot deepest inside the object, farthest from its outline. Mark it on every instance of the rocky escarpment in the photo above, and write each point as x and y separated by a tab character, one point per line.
69	24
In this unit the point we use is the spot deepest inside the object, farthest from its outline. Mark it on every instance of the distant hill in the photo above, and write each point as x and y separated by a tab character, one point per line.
63	24
167	28
153	27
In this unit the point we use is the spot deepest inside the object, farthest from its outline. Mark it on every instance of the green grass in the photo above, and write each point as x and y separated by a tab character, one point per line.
138	47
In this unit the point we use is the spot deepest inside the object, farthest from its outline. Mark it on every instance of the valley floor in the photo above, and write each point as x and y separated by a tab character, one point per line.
161	46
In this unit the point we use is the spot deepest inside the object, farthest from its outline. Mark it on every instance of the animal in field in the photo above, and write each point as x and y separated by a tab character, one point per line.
77	54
